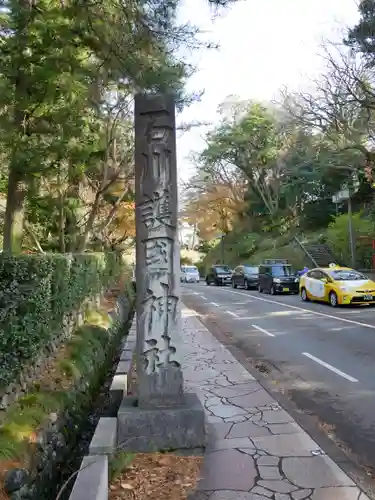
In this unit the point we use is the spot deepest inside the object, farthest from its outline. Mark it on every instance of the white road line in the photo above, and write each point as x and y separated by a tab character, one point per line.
296	308
203	296
263	330
214	304
232	314
330	367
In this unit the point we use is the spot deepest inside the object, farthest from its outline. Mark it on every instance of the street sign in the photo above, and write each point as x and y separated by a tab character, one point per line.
341	196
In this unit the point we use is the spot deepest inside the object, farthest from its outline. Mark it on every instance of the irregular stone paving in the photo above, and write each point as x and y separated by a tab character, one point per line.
255	450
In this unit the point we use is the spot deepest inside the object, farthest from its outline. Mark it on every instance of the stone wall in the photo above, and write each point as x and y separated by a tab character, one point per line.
57	439
16	389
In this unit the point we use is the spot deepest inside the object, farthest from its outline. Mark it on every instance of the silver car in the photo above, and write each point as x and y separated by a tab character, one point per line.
190	274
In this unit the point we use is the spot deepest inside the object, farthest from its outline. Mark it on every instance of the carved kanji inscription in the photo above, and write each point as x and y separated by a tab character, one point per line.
156	212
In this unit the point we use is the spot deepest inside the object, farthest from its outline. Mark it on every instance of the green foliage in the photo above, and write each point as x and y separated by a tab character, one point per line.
361	37
36	293
81	368
338	237
118	462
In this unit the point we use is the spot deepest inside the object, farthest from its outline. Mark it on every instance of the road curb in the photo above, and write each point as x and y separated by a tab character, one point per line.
92	480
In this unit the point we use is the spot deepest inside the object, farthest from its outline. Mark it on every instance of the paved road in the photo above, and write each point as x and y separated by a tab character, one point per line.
322	358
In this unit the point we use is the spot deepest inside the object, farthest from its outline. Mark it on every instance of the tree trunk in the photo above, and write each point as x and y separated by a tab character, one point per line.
14	213
84	238
16	193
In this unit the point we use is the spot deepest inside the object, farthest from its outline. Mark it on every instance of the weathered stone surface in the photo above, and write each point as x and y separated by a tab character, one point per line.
301	494
276	417
253	400
297	445
157	253
278	486
290	428
235	495
14	479
105	437
92	479
314	472
223	410
268	472
262	492
162	388
123	367
337	494
227	470
267	460
119	383
228	444
126	354
144	430
247	429
217	431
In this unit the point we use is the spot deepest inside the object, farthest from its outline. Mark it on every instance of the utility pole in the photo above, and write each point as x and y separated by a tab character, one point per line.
222	249
350	228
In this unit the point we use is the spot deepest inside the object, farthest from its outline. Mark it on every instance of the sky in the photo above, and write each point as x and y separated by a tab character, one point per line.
264	45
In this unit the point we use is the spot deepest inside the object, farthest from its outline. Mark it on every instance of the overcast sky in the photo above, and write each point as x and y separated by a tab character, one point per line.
264	45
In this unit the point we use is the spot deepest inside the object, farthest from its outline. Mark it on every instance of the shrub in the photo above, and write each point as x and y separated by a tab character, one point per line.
36	293
338	238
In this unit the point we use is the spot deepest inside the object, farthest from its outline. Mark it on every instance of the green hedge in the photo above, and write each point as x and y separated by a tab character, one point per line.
36	293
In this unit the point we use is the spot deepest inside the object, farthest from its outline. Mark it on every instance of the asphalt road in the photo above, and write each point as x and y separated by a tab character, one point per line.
322	358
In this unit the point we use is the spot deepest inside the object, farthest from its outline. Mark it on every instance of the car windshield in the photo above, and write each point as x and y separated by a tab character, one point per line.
251	270
222	269
347	275
282	270
191	269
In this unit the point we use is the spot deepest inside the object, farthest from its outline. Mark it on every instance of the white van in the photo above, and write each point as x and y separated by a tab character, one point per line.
190	274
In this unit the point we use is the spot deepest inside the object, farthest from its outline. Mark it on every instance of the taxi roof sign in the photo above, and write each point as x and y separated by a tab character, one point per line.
333	265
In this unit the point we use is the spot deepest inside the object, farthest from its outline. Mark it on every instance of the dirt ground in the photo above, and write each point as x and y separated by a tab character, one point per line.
161	476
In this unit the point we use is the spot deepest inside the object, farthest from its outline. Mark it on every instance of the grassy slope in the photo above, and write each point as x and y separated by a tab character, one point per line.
242	247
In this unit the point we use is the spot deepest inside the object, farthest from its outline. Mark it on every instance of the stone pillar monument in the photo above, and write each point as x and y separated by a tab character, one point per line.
161	416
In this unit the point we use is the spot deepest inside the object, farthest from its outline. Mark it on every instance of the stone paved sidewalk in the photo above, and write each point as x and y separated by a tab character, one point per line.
256	451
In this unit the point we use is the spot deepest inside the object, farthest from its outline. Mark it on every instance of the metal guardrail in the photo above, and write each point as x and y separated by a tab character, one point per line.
306	251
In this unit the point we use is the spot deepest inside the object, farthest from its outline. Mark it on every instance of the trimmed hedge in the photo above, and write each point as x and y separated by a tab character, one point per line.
36	293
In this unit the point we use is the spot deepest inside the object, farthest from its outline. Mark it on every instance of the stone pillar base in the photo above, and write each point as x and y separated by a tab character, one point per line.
146	430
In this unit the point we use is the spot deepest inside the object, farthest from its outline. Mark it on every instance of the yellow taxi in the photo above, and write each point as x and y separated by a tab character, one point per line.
337	285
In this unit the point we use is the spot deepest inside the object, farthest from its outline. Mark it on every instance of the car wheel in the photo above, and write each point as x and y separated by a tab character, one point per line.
333	300
304	296
234	284
247	286
207	282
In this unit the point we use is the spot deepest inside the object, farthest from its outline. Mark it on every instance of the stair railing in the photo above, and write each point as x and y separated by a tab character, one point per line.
307	253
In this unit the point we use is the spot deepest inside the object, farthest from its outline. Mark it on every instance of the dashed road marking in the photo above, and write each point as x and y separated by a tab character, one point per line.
330	367
266	332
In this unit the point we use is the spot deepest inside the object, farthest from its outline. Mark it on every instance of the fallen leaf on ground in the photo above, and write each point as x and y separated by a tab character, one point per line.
158	476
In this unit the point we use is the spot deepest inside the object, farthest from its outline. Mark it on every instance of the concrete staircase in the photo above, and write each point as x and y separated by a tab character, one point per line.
319	254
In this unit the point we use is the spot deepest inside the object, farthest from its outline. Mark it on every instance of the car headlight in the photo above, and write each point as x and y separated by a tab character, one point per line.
343	288
276	280
296	280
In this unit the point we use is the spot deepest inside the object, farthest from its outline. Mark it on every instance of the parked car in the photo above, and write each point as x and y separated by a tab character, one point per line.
246	276
277	276
219	275
337	286
189	274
